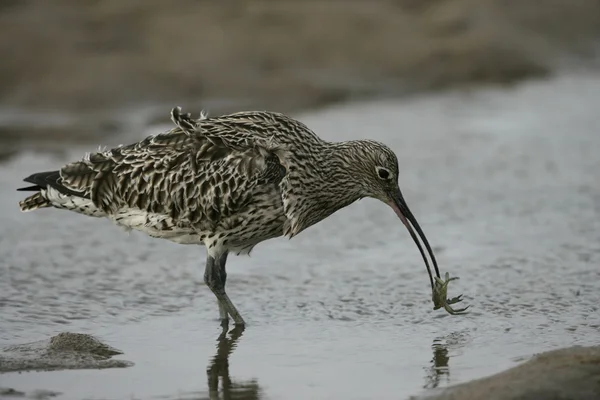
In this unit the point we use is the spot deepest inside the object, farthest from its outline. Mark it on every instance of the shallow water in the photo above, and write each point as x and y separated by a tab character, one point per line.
504	184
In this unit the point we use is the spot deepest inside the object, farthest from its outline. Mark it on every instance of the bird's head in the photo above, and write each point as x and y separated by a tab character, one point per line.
375	167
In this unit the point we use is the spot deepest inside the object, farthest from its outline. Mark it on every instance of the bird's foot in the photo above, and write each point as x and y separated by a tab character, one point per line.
440	291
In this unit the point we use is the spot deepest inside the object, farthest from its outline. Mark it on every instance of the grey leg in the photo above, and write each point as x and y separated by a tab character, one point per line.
222	311
212	278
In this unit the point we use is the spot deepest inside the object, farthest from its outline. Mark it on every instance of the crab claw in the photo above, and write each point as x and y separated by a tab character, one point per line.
440	292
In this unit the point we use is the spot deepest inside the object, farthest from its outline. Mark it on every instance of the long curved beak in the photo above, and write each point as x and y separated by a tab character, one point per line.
399	206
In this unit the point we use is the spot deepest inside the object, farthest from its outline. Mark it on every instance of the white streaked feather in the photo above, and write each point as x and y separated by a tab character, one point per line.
73	203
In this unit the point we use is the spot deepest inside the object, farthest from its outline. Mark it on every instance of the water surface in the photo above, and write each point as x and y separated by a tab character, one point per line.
503	181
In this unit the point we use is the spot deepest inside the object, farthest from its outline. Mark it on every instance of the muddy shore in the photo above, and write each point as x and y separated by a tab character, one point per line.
564	374
82	71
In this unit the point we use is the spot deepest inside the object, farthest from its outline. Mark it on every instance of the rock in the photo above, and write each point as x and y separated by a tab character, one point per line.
79	342
39	394
10	392
64	351
566	374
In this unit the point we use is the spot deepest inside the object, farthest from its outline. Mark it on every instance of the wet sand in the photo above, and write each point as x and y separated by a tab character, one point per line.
504	183
568	373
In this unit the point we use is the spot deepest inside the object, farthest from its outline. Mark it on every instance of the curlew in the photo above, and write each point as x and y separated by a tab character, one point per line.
229	183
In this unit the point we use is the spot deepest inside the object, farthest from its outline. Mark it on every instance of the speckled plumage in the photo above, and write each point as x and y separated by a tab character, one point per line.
228	182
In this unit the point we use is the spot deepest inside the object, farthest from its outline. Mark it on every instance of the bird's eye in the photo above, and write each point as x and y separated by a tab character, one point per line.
383	173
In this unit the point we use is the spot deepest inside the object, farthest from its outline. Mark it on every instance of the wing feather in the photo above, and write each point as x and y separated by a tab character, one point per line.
196	173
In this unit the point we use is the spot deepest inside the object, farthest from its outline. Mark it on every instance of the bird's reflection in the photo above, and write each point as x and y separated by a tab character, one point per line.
218	370
439	365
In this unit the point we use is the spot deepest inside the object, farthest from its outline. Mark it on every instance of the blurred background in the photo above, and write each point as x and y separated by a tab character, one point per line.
84	70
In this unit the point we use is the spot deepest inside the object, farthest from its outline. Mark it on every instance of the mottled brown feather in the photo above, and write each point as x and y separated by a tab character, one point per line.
197	173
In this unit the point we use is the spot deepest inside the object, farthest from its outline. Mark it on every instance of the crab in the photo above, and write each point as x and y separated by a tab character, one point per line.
440	291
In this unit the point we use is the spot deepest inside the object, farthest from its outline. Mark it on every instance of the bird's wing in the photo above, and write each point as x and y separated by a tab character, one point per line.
293	143
191	174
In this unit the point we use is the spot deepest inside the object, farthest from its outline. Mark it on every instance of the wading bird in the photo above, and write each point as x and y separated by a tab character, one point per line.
229	183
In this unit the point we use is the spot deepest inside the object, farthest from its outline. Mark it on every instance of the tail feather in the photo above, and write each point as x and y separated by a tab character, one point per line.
34	202
42	181
43	178
34	188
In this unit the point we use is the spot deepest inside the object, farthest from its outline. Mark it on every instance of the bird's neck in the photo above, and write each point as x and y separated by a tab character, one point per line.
334	184
343	168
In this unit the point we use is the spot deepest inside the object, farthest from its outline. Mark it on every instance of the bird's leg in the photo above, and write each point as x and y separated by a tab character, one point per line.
212	278
222	311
